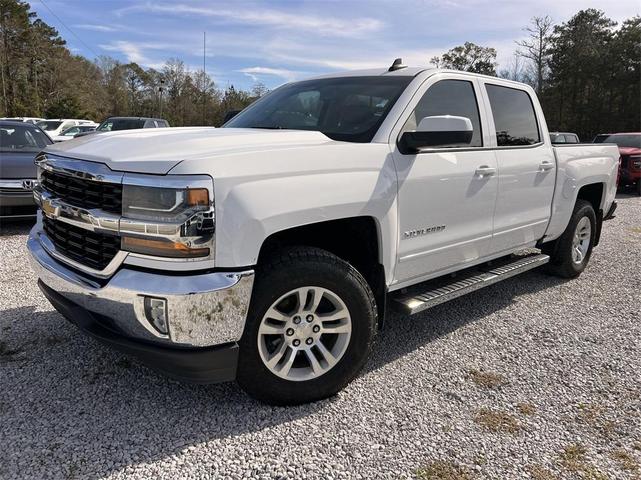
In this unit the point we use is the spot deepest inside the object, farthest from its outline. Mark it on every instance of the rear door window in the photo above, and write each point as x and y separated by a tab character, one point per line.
514	116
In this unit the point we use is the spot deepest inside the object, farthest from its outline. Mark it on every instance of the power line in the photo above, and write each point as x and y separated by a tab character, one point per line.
70	31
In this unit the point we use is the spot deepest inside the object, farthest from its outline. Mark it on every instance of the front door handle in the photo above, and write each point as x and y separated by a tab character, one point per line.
485	171
545	166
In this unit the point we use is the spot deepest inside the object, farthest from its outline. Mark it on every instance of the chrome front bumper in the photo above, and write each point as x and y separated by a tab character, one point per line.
203	309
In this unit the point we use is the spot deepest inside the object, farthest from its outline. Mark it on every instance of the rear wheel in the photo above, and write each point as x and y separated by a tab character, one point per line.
310	328
570	253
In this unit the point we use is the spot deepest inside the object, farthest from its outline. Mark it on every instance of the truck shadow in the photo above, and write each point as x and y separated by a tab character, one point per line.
15	227
402	334
72	404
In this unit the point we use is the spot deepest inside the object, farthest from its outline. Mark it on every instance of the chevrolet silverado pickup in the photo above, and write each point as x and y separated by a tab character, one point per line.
269	250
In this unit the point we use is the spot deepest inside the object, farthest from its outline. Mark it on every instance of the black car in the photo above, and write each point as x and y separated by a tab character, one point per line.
127	123
20	142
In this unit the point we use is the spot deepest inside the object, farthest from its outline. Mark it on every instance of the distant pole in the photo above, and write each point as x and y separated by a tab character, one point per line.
160	90
204	74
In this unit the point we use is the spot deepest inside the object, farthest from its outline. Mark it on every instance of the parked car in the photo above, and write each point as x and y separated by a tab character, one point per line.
564	137
32	120
19	144
630	149
72	132
267	250
600	138
113	124
54	128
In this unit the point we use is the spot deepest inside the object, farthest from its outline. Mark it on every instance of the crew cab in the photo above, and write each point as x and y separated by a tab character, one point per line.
269	250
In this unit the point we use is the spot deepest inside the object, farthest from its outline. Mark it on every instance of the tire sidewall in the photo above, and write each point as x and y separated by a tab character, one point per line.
584	210
346	283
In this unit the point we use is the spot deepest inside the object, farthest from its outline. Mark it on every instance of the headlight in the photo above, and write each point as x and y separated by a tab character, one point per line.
162	204
168	220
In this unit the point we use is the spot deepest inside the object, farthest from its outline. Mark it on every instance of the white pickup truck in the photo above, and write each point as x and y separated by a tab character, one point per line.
268	251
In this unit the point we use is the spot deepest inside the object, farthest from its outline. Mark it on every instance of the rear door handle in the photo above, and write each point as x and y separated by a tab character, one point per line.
485	171
545	166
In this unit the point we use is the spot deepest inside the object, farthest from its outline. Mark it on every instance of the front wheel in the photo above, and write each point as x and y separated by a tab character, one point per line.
570	253
310	328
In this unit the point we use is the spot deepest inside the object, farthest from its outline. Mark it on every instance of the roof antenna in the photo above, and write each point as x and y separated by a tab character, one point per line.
397	65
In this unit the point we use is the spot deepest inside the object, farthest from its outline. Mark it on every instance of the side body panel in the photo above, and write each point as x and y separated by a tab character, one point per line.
580	165
257	196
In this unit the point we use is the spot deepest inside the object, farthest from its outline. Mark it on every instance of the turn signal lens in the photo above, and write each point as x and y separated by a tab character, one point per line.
161	248
197	197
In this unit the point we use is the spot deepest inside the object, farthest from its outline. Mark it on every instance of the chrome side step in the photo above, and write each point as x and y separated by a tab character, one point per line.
432	293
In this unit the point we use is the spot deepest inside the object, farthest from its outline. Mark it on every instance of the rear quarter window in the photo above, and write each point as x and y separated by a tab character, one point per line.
514	116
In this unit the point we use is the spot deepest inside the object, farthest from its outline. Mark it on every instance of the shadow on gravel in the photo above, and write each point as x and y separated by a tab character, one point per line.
15	227
72	407
402	334
71	404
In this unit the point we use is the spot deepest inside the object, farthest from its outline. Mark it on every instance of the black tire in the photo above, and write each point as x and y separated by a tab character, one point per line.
639	187
285	271
560	251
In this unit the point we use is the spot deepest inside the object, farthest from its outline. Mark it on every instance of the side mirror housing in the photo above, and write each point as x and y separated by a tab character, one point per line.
437	131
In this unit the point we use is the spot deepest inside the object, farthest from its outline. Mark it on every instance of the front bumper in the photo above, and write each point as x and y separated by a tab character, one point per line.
204	310
16	203
200	365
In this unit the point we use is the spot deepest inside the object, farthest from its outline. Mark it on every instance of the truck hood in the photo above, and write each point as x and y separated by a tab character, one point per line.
158	150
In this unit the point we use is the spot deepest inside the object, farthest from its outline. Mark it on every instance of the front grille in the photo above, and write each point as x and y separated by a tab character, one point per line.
624	161
92	249
83	193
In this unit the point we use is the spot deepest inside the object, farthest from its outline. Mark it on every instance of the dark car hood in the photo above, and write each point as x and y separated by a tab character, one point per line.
17	165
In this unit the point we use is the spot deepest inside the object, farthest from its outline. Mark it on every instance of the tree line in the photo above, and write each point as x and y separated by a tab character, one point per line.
586	71
40	77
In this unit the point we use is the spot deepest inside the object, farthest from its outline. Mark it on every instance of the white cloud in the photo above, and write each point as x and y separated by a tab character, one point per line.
96	28
135	51
256	72
320	25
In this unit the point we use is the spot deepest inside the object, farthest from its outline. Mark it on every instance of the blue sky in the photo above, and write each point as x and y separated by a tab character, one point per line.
278	41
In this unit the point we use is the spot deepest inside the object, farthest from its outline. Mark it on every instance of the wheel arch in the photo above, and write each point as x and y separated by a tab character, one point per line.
356	240
594	193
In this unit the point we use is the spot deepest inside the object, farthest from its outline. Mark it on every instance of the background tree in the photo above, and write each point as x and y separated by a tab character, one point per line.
536	48
580	92
468	57
587	72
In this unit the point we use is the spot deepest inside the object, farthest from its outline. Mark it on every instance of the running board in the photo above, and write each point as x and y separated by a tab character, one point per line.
429	294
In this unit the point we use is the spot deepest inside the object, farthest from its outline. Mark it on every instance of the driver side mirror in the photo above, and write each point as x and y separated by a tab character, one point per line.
437	131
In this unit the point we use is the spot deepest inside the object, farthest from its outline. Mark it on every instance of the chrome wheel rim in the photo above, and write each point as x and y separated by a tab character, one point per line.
581	240
304	333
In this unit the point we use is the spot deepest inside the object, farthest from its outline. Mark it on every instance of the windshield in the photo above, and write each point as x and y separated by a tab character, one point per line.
347	108
70	132
48	125
630	141
112	124
22	138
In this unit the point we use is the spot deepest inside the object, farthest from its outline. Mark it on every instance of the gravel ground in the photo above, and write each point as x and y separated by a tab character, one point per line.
534	377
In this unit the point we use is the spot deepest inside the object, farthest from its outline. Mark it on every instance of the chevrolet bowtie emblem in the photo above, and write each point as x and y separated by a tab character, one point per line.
50	208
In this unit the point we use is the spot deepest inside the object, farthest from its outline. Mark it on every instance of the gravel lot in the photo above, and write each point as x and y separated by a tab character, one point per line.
534	377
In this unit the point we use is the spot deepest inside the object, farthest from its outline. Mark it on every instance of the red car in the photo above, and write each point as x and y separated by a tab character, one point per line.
630	149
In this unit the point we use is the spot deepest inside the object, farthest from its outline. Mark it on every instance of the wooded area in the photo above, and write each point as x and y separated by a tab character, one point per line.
587	72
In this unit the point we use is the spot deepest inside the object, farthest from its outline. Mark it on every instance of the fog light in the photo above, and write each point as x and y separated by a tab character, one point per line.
156	313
